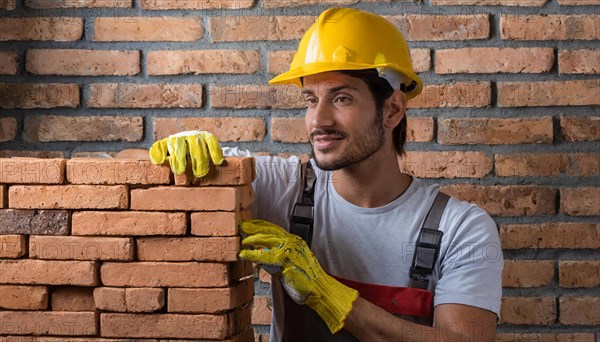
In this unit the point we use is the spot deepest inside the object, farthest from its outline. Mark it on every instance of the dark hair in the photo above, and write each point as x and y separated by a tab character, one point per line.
381	91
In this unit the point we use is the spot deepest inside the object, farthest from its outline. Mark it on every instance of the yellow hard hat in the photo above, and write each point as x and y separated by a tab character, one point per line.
350	39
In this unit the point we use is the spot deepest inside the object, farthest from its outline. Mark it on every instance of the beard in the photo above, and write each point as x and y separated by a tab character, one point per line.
363	146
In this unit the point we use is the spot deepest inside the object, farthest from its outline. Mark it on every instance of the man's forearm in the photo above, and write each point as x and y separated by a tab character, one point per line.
368	322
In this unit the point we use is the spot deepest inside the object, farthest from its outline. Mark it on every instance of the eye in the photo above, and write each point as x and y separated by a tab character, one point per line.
310	101
342	99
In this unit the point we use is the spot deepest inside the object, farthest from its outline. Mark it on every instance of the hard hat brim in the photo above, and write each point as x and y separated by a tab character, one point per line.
293	76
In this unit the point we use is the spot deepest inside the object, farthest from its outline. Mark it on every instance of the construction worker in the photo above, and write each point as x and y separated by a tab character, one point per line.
375	254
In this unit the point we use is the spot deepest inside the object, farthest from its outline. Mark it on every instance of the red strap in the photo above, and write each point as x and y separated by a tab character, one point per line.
395	300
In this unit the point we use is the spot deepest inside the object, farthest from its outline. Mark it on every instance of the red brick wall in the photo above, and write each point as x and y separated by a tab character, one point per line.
113	248
508	119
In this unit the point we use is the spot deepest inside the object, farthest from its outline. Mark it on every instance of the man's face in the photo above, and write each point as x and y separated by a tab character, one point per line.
341	120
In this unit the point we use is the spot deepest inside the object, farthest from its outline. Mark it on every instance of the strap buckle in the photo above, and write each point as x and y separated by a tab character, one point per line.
426	253
303	218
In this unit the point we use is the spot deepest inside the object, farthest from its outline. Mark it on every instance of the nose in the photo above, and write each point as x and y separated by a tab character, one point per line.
320	116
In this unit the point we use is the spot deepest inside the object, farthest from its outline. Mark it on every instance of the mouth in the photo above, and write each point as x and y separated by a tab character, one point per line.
325	141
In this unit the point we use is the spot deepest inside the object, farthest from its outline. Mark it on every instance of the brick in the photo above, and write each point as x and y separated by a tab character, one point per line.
419	129
509	200
9	63
459	94
551	93
68	197
32	171
8	128
144	299
239	270
245	28
528	3
134	95
291	130
80	248
196	199
256	96
262	309
132	29
73	299
580	128
421	27
128	223
41	28
195	4
79	62
528	310
494	60
116	171
549	27
31	154
15	297
584	165
216	327
214	223
8	5
164	274
279	61
546	337
45	4
548	164
575	274
203	62
495	131
34	222
580	201
226	129
577	2
83	128
233	171
579	310
421	59
527	273
447	164
3	196
110	299
38	95
48	323
210	300
572	235
12	246
44	272
579	61
221	249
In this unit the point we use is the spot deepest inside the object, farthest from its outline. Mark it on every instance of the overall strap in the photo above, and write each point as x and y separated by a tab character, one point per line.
303	217
428	244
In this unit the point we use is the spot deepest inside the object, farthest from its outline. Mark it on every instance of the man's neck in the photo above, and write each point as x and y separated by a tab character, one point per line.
372	183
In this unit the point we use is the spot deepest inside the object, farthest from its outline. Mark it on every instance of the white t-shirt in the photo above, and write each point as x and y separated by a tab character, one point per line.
376	245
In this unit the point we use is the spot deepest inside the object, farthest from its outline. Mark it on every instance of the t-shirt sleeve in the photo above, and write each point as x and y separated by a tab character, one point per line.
472	261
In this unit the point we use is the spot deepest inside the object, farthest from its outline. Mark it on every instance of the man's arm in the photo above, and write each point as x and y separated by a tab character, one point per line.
452	322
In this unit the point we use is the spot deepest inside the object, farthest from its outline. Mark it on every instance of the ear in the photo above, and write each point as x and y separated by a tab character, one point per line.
393	109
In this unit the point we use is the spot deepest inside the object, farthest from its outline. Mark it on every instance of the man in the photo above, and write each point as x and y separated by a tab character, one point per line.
360	278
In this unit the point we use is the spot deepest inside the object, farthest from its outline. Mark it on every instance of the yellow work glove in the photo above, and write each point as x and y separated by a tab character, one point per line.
199	145
302	277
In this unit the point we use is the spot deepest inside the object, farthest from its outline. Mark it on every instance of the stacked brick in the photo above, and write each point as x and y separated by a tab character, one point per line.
509	117
111	249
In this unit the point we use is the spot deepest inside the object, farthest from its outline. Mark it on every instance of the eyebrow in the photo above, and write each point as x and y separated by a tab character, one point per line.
330	90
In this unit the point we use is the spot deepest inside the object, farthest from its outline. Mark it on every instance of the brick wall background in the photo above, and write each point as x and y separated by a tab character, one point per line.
101	249
509	117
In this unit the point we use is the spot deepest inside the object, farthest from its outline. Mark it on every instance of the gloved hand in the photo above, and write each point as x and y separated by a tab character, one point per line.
302	277
198	144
